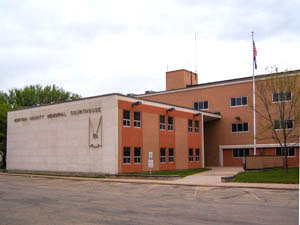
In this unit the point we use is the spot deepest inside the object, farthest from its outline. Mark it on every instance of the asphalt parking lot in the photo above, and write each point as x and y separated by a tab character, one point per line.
25	200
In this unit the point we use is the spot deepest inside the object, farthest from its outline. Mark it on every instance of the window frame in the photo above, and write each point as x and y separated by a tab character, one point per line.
162	158
235	99
239	151
289	148
191	157
137	123
137	158
278	97
197	128
197	156
126	157
171	156
190	128
171	125
162	126
203	104
237	126
280	124
126	121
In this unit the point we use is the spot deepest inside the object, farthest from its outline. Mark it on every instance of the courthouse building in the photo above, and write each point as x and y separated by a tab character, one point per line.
189	125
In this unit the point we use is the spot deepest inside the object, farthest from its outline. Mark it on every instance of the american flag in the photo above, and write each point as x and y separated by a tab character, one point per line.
254	55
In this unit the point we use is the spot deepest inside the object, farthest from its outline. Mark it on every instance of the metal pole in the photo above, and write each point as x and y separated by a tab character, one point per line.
254	100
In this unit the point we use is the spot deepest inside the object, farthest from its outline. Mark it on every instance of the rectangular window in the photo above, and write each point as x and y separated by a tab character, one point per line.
126	155
197	154
197	130
171	155
137	119
170	123
190	126
162	122
282	97
240	127
283	124
191	155
137	155
201	105
241	152
280	151
126	118
239	101
162	155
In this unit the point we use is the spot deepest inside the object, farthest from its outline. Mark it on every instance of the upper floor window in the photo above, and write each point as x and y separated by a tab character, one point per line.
171	155
201	105
170	123
283	124
190	126
162	155
137	155
126	118
197	126
241	152
239	127
281	97
162	122
239	101
290	151
137	119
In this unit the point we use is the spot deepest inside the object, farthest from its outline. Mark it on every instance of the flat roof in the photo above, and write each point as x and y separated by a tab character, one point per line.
217	83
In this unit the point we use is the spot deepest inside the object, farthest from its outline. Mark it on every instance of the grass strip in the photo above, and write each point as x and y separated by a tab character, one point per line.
270	176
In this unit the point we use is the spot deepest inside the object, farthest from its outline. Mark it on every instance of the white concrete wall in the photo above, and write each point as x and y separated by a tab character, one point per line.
62	143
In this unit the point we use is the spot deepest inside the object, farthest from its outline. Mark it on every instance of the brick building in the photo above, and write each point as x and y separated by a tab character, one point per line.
228	140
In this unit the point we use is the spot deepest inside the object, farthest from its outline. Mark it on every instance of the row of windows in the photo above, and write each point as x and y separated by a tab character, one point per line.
194	155
283	124
290	151
190	126
243	100
127	155
127	121
242	152
163	155
239	127
162	123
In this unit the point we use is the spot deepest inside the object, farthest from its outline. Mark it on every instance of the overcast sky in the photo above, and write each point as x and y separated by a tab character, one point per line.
93	47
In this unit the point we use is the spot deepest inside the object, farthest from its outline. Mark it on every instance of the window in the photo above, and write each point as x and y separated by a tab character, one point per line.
190	126
126	155
280	151
126	118
201	105
191	155
162	155
137	119
171	155
241	152
170	123
137	155
239	101
197	154
162	124
282	97
197	126
239	127
283	124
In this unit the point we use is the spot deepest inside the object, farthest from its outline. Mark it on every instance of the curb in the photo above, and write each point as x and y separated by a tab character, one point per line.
139	181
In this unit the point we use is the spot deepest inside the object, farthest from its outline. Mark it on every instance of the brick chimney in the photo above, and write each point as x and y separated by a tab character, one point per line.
180	79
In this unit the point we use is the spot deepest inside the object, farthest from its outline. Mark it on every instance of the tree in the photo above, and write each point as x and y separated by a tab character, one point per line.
278	108
33	95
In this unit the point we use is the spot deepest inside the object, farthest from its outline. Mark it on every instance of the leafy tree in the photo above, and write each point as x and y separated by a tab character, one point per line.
278	108
33	95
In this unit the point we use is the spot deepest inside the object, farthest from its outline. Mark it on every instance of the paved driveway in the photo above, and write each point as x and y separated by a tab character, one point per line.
211	177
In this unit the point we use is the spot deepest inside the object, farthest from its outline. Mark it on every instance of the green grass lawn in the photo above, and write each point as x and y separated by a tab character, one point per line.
270	176
181	173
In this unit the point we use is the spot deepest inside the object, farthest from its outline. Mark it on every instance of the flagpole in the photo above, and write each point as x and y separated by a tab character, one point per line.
254	99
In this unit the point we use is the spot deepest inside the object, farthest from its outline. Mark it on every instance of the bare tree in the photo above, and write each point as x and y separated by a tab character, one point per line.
278	108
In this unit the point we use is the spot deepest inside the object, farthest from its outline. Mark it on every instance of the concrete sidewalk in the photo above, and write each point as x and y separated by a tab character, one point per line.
211	178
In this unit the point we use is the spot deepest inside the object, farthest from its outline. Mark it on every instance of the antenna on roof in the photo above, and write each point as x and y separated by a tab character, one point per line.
195	54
